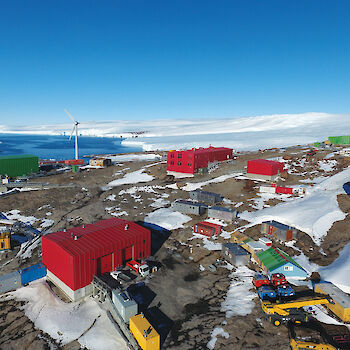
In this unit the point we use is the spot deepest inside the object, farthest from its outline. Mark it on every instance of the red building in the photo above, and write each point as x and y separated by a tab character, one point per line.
74	256
264	169
207	228
190	161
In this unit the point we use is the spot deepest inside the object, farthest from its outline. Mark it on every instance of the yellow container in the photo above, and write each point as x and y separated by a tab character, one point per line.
144	333
341	301
5	241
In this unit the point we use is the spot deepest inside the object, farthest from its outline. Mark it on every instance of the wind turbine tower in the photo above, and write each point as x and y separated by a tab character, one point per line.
75	128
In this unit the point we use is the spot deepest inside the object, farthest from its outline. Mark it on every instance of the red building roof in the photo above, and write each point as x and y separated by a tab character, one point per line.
76	255
264	167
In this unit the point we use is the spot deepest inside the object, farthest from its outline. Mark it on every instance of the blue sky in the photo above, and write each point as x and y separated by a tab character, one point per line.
126	59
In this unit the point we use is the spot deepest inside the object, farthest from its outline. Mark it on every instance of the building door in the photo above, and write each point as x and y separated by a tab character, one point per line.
127	254
104	264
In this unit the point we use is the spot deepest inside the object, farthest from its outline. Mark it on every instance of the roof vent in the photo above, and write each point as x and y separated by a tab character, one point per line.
64	230
75	237
126	227
83	225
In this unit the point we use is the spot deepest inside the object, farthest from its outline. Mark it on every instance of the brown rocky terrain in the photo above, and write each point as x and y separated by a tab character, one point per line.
189	297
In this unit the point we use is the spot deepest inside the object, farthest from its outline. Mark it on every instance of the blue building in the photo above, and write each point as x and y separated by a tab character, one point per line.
274	260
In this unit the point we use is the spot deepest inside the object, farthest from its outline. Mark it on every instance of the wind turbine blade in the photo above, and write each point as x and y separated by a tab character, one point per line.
72	132
70	116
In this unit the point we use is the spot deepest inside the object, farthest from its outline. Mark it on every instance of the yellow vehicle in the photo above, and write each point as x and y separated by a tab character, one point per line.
279	313
303	345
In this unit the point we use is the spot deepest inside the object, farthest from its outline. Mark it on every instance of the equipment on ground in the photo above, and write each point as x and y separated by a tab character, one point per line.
292	311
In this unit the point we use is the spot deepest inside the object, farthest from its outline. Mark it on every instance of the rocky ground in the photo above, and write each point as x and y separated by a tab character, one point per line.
190	297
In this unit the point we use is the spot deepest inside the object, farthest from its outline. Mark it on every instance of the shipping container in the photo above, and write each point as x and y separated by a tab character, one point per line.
189	207
100	162
222	213
9	282
267	189
32	273
125	305
206	197
264	169
19	165
144	333
235	254
339	140
190	161
341	301
207	228
74	256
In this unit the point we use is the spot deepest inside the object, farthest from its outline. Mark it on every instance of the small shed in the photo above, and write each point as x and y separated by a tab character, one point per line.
222	213
274	260
264	169
207	228
235	254
189	207
254	247
126	306
345	152
278	230
341	306
100	162
206	197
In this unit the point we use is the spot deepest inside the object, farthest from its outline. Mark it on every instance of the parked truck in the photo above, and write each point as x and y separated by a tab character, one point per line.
141	268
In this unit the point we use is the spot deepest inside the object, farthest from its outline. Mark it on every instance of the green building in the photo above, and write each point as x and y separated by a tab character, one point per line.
19	165
339	140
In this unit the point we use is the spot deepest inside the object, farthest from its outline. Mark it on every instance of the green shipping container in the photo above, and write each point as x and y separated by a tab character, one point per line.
317	144
339	140
19	165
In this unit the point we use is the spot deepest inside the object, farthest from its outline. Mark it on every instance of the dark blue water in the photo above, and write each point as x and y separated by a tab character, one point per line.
58	147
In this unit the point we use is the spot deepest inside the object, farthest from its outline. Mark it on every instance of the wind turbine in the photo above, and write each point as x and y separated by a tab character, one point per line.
75	127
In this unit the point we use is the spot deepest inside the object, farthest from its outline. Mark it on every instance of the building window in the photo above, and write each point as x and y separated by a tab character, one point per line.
179	163
179	155
189	164
172	155
2	244
172	162
288	268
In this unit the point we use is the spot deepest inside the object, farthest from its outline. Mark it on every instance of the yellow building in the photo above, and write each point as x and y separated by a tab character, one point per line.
146	336
341	306
5	241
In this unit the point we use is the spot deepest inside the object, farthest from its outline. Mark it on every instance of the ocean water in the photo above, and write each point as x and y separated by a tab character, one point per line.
59	147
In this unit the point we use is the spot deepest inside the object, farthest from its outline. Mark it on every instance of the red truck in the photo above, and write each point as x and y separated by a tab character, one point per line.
142	269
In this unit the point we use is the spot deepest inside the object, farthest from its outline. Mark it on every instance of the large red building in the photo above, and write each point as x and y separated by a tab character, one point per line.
190	161
264	169
74	256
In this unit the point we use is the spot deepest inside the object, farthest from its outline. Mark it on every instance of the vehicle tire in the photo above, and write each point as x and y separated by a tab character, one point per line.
276	322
